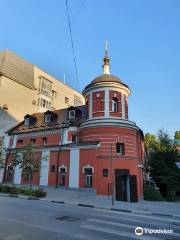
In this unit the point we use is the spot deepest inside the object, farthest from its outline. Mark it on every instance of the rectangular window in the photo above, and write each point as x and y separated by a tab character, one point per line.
74	138
66	100
26	121
53	168
44	140
20	142
33	140
88	177
120	148
54	94
72	114
47	118
105	172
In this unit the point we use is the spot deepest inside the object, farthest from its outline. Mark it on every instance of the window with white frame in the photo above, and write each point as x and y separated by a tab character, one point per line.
45	86
27	121
114	104
72	114
88	172
47	118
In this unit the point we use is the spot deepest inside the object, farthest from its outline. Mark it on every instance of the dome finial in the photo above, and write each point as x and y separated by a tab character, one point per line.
106	48
106	67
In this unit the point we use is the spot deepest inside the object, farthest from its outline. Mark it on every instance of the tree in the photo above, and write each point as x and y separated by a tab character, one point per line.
177	135
26	159
162	162
150	142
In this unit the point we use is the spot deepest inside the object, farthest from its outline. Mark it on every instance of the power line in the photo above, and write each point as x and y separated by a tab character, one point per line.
72	44
78	11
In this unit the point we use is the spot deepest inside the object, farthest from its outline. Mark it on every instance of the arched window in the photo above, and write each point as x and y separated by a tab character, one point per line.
114	104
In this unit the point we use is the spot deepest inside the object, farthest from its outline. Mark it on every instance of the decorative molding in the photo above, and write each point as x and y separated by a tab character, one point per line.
63	166
88	166
38	133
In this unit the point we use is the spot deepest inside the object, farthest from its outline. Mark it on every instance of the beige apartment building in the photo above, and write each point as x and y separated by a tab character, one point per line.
26	89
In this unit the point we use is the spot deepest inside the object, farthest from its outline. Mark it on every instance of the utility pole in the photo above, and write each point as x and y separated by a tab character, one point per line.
112	175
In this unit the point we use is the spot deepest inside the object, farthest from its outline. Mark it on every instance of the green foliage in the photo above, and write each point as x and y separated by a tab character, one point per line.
177	135
5	189
26	159
162	162
150	142
152	194
39	193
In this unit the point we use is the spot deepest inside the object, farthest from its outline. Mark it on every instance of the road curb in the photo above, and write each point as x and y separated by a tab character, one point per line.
90	206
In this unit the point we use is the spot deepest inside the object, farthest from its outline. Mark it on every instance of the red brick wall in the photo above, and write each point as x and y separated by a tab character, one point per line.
87	157
52	139
87	103
63	160
133	154
98	103
126	107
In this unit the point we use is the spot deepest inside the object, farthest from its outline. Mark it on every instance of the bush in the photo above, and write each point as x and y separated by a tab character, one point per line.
172	198
152	194
39	193
5	189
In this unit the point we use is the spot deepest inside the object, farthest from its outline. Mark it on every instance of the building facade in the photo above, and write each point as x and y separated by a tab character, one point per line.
26	89
93	146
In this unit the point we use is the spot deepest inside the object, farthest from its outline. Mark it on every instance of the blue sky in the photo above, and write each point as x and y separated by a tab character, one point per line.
144	48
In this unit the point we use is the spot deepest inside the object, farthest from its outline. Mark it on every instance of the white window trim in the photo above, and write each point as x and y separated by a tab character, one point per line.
74	114
88	166
27	121
47	118
62	166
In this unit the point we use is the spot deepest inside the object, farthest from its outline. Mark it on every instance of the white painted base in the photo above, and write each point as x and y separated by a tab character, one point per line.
17	175
1	174
74	168
44	173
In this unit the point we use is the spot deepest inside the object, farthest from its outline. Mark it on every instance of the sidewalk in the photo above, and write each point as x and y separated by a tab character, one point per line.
98	201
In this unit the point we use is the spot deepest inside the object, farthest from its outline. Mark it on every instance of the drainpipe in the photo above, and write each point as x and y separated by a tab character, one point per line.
112	175
58	158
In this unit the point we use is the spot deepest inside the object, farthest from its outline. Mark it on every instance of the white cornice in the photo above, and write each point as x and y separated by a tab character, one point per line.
110	85
108	122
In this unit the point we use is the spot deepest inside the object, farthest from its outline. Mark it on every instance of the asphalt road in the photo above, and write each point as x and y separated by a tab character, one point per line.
35	220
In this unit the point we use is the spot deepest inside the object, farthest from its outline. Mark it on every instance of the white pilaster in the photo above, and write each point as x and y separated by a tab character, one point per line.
17	175
90	105
106	106
1	174
123	106
14	141
74	168
18	171
44	173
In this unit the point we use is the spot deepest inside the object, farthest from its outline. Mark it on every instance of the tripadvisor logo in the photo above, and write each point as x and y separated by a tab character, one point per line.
138	231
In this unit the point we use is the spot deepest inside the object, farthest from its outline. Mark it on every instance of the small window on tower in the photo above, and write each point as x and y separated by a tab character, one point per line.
120	148
114	104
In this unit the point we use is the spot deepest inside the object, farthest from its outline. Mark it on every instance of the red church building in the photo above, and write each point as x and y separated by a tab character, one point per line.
94	146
